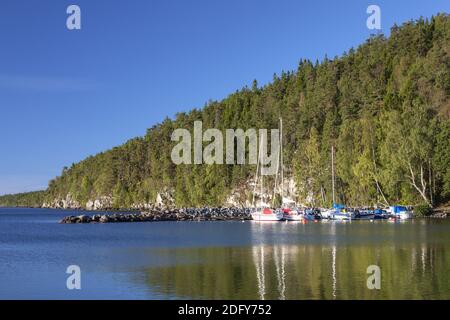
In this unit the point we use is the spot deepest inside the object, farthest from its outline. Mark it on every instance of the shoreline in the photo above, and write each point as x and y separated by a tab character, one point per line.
175	214
191	214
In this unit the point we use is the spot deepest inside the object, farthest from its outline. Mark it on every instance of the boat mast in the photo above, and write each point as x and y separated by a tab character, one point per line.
262	182
332	174
257	172
281	157
278	167
275	187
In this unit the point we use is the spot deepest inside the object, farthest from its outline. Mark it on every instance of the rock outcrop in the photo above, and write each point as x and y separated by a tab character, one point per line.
67	203
241	196
165	199
102	203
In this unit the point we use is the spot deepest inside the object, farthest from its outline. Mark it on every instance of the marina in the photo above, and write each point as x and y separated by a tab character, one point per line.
266	214
288	211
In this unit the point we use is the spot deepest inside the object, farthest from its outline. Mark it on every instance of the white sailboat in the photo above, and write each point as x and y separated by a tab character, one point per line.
400	212
264	213
290	213
267	214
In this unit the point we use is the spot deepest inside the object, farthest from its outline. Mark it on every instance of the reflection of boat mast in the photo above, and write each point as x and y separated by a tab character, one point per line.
281	274
333	260
258	258
333	273
413	258
423	257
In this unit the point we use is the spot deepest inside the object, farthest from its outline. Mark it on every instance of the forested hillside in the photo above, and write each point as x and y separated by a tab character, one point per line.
29	199
384	107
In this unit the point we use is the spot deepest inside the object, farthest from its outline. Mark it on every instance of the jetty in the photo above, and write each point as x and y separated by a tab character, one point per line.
155	215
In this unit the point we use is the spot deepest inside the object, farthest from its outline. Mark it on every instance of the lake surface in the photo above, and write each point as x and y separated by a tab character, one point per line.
221	260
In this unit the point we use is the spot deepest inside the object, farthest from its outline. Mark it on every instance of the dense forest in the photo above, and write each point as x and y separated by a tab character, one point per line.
384	107
28	199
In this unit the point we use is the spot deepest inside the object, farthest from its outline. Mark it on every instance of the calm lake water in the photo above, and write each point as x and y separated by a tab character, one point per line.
221	260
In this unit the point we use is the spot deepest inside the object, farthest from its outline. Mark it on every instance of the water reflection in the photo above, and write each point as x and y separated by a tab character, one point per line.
281	274
331	269
334	271
258	258
279	258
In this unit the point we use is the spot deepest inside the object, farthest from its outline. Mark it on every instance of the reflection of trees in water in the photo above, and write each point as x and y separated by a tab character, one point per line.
304	272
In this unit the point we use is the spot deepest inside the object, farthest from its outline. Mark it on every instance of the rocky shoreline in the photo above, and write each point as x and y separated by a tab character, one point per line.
191	214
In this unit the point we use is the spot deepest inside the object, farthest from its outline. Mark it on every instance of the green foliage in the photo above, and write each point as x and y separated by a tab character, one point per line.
384	107
441	159
30	199
278	202
422	210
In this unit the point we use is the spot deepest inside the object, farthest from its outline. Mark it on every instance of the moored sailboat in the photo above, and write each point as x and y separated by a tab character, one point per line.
364	214
288	207
267	214
293	214
264	213
400	212
312	215
338	212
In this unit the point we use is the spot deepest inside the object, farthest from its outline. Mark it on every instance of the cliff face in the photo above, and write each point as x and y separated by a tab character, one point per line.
68	202
384	107
102	203
240	197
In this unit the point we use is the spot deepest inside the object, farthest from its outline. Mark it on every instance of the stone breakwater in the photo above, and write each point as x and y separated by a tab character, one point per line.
204	214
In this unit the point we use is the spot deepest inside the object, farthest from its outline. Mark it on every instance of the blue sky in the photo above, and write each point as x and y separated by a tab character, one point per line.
65	95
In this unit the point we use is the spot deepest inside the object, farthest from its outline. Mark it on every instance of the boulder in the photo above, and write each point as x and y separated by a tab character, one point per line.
104	219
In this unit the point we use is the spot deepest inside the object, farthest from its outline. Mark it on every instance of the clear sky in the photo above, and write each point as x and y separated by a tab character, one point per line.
65	95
